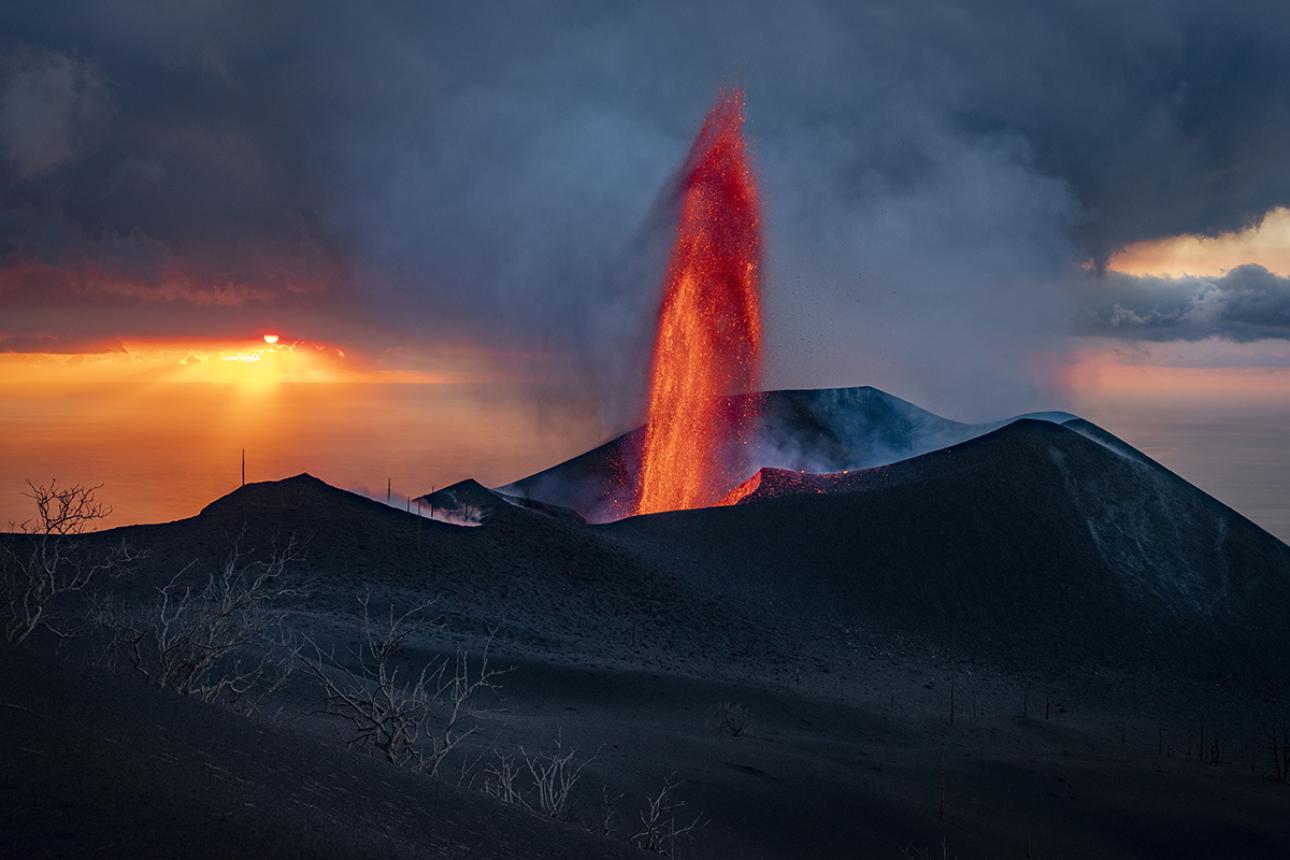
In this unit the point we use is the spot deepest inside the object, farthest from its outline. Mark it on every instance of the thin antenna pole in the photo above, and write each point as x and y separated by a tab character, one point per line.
243	467
387	490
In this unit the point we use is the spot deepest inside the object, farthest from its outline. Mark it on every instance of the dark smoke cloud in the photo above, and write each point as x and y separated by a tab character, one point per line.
1245	304
933	175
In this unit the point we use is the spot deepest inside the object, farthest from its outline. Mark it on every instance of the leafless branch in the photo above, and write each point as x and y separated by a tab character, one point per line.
554	776
220	641
501	777
609	808
541	782
413	721
660	830
51	557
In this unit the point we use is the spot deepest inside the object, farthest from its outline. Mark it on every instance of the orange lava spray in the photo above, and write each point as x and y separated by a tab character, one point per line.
709	331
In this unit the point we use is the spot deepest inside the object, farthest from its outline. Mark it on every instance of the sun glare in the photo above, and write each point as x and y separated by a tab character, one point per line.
255	366
270	339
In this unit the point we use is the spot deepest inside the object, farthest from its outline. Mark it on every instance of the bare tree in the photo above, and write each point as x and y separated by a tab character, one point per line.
50	558
609	808
554	775
412	720
224	640
541	782
501	778
660	830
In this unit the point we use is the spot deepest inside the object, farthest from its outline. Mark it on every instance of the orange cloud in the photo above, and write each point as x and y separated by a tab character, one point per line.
1266	243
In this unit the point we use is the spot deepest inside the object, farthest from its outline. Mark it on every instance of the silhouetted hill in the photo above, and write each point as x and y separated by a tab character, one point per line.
1032	543
469	502
550	581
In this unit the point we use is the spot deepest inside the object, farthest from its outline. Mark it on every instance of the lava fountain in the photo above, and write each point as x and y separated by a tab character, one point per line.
709	331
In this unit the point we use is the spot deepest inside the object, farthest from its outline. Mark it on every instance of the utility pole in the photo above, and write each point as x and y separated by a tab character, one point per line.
243	467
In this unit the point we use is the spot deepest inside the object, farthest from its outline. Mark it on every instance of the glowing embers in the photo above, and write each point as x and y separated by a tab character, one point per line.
709	332
774	483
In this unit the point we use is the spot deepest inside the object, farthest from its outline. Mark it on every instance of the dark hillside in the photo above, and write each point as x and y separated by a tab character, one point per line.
99	765
550	582
1032	543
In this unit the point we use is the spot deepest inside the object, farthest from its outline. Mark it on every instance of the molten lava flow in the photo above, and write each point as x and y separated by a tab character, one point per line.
773	483
744	490
709	331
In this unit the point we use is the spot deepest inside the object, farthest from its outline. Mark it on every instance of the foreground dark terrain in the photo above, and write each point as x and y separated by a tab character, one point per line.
1020	640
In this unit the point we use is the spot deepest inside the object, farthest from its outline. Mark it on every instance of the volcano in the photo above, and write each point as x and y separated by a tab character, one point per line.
813	430
1030	613
861	493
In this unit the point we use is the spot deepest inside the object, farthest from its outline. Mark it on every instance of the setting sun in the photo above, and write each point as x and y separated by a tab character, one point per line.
270	339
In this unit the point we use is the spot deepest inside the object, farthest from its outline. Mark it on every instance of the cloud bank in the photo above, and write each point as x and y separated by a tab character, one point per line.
933	176
1248	303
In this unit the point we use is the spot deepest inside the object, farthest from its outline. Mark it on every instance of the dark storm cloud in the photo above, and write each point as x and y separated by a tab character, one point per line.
49	111
932	174
1245	304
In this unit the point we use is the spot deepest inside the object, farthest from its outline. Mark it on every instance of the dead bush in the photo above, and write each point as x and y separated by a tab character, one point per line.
412	719
555	773
224	639
660	830
541	782
50	558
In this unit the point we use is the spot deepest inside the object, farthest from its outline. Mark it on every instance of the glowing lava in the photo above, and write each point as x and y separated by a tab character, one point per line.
709	332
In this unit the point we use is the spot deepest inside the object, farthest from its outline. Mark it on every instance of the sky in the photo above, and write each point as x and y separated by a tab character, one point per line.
985	207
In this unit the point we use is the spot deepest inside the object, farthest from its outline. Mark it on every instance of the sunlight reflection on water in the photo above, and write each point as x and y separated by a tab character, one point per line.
165	452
